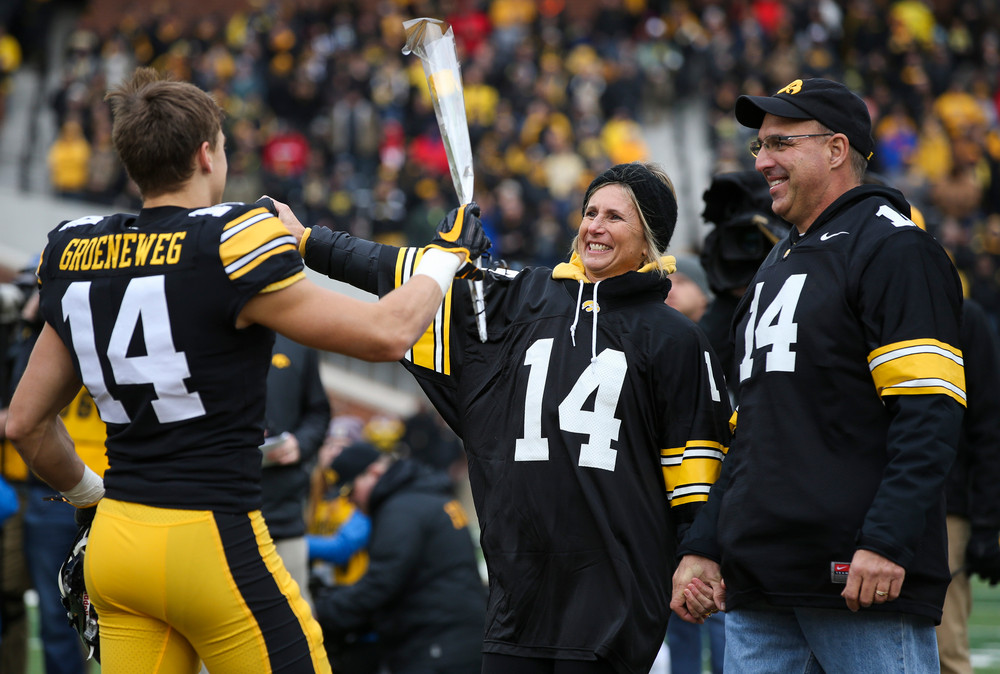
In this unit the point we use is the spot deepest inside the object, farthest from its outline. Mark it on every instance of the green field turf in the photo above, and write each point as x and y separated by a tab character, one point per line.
984	628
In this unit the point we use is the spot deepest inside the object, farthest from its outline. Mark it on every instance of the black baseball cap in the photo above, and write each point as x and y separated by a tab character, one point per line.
352	461
830	103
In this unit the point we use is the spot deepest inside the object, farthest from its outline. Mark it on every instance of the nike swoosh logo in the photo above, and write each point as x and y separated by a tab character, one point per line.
830	235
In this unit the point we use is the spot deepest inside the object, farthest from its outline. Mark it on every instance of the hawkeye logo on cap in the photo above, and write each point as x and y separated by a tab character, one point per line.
791	88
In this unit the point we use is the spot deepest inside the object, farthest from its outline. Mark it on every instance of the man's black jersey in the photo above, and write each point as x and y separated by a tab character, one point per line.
851	396
147	305
595	421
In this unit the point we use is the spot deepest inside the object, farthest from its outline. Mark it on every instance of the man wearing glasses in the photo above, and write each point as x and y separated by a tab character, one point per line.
829	519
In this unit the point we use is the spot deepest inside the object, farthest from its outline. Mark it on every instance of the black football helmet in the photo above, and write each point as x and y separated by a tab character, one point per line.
79	611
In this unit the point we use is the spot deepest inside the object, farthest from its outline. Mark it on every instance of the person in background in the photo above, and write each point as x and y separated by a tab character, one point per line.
689	291
422	592
69	160
49	523
10	61
296	417
10	504
973	500
14	577
168	318
577	474
338	545
829	518
48	527
329	511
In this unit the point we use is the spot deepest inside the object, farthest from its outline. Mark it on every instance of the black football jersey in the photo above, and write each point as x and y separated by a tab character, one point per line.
595	421
851	388
147	305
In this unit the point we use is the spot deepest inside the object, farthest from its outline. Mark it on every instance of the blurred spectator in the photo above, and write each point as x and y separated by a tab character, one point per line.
895	140
385	432
511	21
296	415
472	28
338	546
329	510
564	168
10	61
689	291
14	578
972	499
9	503
284	157
105	175
356	131
429	440
45	525
69	160
622	138
422	592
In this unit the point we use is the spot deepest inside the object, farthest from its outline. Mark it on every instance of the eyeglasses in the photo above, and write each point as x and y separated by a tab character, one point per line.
779	143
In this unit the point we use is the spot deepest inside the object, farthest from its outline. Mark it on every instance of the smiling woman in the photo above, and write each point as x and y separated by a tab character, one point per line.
592	419
611	239
621	231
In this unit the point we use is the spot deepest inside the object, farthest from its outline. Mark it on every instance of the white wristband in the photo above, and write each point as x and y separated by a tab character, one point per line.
440	266
88	491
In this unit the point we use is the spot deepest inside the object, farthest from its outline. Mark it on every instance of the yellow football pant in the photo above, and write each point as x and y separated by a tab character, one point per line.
173	587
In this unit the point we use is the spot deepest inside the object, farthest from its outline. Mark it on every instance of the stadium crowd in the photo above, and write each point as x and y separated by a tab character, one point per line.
326	113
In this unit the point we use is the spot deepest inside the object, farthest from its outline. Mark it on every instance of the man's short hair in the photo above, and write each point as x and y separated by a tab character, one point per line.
159	124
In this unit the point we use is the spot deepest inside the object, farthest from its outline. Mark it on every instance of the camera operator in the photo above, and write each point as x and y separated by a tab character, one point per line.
746	229
14	579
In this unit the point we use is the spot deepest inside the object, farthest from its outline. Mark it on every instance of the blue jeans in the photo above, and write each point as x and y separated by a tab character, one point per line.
814	641
49	531
685	643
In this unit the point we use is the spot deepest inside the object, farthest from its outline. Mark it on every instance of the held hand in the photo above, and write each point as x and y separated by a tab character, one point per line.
462	233
873	579
697	589
699	599
283	213
982	556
